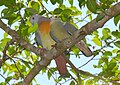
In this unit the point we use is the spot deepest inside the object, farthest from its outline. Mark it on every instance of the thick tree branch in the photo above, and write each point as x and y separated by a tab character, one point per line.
60	47
19	39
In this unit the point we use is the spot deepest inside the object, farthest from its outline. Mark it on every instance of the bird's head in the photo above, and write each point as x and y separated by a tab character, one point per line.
55	19
38	19
34	19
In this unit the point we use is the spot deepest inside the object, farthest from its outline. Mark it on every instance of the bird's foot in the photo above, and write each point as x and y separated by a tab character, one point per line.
43	50
53	45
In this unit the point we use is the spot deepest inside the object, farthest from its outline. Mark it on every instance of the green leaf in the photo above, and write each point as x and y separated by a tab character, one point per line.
97	41
89	82
107	53
50	72
95	33
43	70
46	1
115	50
53	70
117	57
73	71
65	18
53	1
116	19
100	62
42	12
95	66
106	33
81	3
30	11
112	65
100	17
90	17
57	11
11	50
21	67
1	2
23	30
3	83
8	78
26	64
75	11
19	6
4	41
71	2
13	20
117	43
12	68
27	53
60	1
67	11
10	16
8	3
4	68
105	59
75	50
92	5
49	75
5	35
72	83
116	34
35	5
5	11
33	29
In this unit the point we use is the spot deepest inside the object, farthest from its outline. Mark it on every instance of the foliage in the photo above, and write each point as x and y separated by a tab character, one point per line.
18	61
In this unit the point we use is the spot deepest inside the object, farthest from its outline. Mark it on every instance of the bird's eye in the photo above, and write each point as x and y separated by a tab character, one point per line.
33	18
56	16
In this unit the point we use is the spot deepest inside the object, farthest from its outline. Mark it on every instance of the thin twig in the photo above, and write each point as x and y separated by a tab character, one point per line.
10	57
45	8
79	79
66	81
4	78
23	60
17	67
86	62
82	72
16	52
95	55
6	47
73	78
49	70
83	18
5	57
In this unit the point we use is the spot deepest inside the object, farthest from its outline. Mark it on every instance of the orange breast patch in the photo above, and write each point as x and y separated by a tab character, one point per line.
44	26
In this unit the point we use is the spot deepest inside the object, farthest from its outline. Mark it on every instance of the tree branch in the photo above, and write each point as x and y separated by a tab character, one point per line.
4	78
82	72
60	47
5	57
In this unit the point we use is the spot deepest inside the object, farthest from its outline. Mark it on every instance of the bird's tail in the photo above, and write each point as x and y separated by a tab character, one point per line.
61	65
84	48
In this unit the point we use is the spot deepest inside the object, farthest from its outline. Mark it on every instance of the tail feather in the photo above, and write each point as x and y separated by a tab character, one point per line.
84	49
61	65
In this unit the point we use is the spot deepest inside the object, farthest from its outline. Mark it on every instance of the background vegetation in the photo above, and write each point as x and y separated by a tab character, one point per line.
17	59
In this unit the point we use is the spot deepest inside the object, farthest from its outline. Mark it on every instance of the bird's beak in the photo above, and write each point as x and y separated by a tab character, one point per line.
32	23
